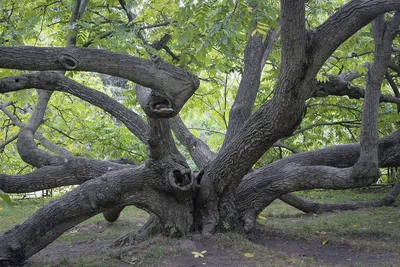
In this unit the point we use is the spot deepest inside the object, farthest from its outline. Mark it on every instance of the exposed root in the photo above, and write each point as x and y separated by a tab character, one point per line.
150	229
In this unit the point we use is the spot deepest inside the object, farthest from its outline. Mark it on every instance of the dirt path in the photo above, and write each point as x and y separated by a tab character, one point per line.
62	253
330	254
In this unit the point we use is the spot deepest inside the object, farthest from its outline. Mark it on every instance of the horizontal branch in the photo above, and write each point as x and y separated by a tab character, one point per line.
336	86
310	169
54	81
309	206
156	74
74	171
114	189
171	82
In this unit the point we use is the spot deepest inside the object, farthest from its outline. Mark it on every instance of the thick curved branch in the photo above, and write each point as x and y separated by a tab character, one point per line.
171	82
26	145
38	135
337	86
199	151
54	81
27	148
256	190
394	88
327	37
65	212
294	177
255	54
309	206
117	188
74	171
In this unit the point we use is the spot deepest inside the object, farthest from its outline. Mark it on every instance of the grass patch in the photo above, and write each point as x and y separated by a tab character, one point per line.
367	229
371	228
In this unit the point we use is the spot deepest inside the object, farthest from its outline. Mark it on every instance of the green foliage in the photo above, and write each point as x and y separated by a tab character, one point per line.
206	37
6	198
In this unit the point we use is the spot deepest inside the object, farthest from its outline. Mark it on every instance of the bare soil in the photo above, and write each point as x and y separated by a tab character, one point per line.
62	253
330	254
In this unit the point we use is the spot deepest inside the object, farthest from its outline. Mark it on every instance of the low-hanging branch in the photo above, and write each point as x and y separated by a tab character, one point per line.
155	74
56	82
74	171
38	135
309	206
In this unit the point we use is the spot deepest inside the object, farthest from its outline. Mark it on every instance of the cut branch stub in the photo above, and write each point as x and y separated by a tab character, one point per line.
164	105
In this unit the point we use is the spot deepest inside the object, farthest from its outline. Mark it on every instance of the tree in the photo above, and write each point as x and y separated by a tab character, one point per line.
172	46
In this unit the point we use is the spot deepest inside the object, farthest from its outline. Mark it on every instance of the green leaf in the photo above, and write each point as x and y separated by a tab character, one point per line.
6	198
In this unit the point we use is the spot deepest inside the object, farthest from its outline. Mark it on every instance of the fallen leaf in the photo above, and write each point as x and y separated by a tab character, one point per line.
249	255
199	254
325	242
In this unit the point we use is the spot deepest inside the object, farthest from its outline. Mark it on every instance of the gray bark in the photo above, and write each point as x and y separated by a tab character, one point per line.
225	191
309	206
169	82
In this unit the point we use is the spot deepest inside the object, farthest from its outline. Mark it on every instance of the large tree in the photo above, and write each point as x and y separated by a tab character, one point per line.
161	47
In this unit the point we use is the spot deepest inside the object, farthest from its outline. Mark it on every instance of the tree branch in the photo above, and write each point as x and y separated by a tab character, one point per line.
199	151
55	81
309	206
74	171
255	54
171	82
3	145
339	87
327	37
27	148
38	135
259	188
118	188
394	88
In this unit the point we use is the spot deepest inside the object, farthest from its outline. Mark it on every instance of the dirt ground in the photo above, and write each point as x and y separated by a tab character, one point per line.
62	253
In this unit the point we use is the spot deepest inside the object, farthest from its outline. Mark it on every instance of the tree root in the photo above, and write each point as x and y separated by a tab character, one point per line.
150	229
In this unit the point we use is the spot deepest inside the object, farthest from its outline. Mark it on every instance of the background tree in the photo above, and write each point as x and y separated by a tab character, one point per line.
264	70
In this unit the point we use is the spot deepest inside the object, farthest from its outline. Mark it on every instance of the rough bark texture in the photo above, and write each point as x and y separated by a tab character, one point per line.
171	83
226	193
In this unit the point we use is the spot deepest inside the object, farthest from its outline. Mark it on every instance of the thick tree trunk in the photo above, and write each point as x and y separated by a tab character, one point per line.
224	196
